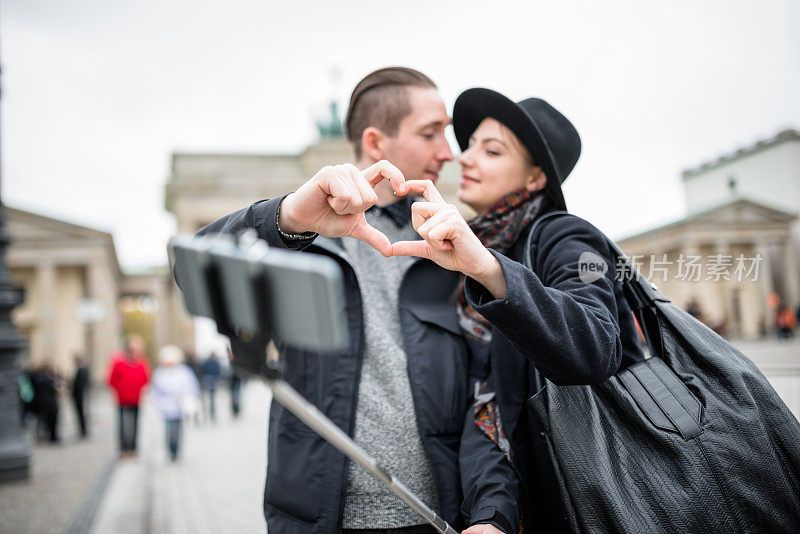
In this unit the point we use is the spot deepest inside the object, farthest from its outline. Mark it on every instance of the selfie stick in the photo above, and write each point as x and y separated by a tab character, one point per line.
202	300
316	420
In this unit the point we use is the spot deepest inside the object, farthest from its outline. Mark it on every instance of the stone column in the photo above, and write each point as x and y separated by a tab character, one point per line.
103	331
724	289
161	326
766	283
692	289
44	345
791	273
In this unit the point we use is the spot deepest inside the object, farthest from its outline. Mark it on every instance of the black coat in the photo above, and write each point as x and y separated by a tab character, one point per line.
549	324
306	477
80	383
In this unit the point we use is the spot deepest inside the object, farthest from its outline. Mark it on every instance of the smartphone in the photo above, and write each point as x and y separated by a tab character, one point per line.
305	293
234	276
190	261
258	291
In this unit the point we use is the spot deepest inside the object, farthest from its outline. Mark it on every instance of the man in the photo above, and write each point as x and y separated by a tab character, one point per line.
128	374
235	380
212	372
46	386
80	385
400	390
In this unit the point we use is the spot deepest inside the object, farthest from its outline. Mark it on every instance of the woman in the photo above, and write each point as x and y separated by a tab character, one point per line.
175	388
553	321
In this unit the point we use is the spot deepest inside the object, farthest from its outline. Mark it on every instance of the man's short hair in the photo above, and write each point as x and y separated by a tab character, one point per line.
381	100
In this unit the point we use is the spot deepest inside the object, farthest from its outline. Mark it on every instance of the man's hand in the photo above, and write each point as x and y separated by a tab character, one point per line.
333	202
448	240
482	529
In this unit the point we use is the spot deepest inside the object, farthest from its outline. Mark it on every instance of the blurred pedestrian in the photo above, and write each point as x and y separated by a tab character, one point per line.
191	361
45	389
236	379
80	386
212	372
785	321
128	374
26	393
693	309
175	387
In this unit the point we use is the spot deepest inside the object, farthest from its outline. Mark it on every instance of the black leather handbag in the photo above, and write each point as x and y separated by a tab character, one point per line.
693	439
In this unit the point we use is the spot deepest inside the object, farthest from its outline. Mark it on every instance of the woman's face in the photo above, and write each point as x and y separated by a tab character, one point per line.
495	164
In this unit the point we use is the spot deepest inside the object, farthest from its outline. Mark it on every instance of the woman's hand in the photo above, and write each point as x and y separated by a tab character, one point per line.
333	202
448	240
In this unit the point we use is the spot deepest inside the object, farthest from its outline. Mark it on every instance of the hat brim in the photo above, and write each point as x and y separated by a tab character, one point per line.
474	105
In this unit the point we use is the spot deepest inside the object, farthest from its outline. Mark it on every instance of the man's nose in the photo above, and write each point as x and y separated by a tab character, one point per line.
445	154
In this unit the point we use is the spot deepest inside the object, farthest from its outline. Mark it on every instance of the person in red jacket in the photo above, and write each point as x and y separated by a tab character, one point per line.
128	374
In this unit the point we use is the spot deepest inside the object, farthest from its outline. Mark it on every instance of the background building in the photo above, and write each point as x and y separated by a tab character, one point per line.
71	282
742	214
76	299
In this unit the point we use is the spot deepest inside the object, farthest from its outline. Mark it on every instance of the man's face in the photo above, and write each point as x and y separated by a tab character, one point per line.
420	149
135	345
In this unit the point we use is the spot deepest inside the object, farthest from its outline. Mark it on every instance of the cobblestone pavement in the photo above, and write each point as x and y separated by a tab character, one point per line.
216	485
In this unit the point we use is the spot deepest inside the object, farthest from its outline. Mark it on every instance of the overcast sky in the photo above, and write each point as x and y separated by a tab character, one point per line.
97	94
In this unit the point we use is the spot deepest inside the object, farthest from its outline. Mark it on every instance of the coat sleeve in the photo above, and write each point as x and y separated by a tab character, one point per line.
261	216
562	319
488	482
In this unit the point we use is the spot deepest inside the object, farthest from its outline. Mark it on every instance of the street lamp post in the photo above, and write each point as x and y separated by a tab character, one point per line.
14	451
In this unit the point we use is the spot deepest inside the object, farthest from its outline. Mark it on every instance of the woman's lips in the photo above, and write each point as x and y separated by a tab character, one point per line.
465	180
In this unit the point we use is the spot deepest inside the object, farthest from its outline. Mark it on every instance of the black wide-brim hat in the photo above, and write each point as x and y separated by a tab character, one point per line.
551	139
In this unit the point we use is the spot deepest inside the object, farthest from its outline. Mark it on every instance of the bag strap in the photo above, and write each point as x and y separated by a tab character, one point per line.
526	258
639	292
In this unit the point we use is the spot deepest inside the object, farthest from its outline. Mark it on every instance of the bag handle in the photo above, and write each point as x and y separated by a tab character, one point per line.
640	293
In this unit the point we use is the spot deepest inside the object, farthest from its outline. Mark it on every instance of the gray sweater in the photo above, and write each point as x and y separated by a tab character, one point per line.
386	423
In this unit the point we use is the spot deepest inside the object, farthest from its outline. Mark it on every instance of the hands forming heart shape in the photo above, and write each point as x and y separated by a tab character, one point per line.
333	202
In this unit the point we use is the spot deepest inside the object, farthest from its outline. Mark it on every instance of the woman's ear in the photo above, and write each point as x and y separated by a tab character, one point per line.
536	180
372	143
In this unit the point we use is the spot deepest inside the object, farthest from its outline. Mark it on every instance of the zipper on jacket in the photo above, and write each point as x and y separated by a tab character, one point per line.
354	398
353	401
414	395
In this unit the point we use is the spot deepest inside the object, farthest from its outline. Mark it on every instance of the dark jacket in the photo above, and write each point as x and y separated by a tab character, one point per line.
80	383
306	477
550	324
211	371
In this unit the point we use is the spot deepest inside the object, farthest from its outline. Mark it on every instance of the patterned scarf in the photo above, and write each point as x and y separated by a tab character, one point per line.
497	229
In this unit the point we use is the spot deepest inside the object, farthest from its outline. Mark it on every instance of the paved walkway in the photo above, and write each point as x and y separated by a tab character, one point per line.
216	486
79	486
772	354
779	360
63	476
